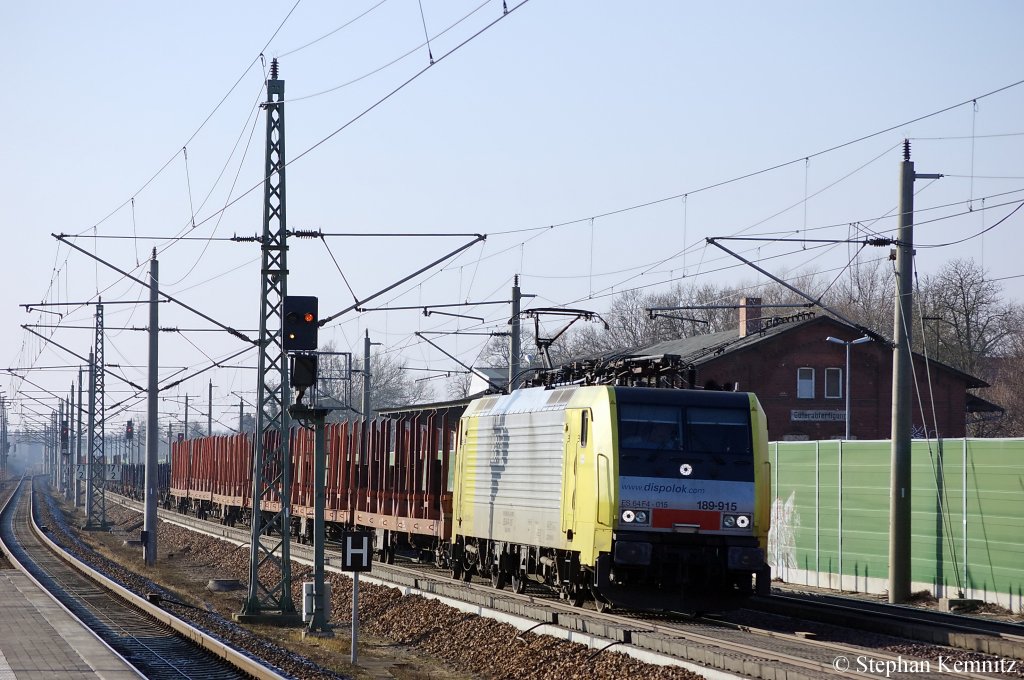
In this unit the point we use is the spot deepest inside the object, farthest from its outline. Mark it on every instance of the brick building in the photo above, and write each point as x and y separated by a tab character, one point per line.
799	377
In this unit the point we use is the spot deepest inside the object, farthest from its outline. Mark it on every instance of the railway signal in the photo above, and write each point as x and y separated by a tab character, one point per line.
303	374
129	431
300	323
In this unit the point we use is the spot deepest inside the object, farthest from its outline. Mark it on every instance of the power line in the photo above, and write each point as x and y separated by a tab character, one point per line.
972	236
762	171
205	120
370	108
394	61
330	33
933	139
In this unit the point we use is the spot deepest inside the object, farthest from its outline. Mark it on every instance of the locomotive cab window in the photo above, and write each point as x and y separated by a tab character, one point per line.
659	441
718	430
650	427
720	441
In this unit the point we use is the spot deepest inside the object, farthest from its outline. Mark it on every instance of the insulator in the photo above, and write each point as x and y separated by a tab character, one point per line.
273	69
906	149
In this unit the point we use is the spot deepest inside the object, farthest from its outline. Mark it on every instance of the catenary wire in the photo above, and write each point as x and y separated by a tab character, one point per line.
205	120
330	33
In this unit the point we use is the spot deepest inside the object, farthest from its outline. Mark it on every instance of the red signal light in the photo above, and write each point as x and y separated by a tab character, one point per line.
299	323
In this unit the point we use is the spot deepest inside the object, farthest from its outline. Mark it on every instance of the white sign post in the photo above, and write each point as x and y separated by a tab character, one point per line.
356	556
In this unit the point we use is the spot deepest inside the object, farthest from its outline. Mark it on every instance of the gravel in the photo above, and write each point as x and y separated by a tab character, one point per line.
443	641
416	637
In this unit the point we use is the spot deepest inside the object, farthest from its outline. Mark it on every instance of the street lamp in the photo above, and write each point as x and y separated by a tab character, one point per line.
858	341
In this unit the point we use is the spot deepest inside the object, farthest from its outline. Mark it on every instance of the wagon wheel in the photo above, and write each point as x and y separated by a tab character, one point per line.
499	578
600	603
519	581
573	595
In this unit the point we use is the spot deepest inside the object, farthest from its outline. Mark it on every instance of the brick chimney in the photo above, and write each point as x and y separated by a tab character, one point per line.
750	315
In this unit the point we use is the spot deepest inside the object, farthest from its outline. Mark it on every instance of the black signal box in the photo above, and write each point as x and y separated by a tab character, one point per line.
300	323
303	371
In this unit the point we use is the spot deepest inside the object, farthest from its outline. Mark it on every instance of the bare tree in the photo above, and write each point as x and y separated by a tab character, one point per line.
971	321
196	429
390	384
866	295
1006	374
457	387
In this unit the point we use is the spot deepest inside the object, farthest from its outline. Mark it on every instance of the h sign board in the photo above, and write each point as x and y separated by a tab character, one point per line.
356	551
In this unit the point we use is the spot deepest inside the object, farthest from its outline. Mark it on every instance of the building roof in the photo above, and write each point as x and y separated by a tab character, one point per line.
701	349
976	404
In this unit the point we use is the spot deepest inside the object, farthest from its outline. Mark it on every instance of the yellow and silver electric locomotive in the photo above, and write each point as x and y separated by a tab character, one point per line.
637	497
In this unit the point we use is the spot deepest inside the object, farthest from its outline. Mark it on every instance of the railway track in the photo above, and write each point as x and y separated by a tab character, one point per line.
1000	638
698	644
154	648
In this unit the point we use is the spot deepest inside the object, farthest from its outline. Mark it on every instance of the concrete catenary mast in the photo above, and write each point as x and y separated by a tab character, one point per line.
902	385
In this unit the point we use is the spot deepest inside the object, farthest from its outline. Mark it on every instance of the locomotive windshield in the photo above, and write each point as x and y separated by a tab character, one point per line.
656	440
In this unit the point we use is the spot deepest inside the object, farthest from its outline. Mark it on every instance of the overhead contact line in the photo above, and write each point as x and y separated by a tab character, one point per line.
65	238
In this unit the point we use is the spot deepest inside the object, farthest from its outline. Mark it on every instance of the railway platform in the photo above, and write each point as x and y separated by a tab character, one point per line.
40	640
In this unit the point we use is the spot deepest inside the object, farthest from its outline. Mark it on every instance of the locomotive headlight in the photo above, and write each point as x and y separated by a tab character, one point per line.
686	469
628	516
641	517
735	521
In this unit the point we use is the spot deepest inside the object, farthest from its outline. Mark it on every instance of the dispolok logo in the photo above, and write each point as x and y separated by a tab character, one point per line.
660	497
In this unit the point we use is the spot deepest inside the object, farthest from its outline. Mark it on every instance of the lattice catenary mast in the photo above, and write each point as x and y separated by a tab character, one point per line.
96	467
270	591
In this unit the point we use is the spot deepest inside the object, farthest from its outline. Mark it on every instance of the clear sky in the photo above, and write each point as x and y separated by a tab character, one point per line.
140	119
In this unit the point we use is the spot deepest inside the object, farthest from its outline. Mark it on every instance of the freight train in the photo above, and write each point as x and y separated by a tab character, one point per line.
635	497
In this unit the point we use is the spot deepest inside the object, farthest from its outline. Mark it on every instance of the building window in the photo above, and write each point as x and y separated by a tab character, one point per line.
833	383
805	383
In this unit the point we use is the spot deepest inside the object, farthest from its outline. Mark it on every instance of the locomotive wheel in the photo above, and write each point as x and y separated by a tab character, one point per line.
573	595
498	577
519	582
602	605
